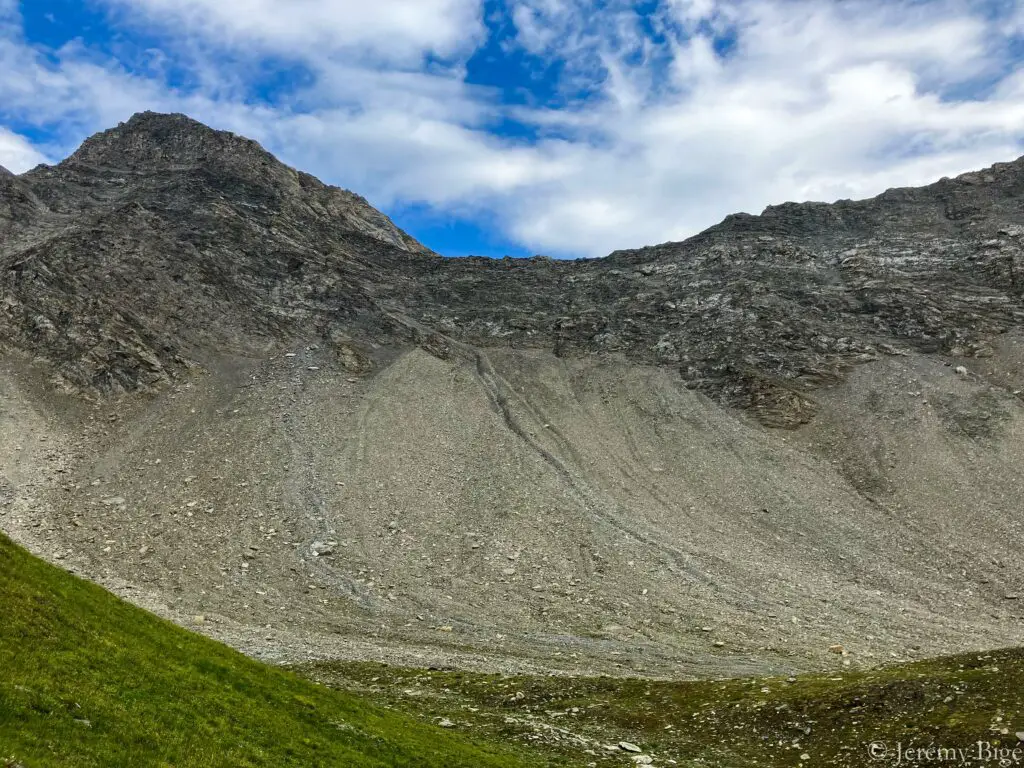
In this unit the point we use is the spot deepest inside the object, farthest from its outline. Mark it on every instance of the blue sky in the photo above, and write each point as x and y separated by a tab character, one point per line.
560	127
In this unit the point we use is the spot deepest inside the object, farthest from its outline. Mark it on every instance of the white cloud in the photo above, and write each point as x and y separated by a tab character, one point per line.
815	101
391	30
812	100
690	11
17	154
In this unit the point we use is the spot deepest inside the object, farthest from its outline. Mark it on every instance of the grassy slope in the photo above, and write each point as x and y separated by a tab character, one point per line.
832	719
88	680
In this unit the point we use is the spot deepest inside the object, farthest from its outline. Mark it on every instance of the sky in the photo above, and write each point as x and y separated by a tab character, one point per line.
555	127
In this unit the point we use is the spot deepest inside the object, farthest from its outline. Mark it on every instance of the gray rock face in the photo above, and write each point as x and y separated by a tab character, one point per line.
162	242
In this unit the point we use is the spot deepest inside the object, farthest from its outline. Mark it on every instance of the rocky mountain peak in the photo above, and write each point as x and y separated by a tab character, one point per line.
150	139
183	171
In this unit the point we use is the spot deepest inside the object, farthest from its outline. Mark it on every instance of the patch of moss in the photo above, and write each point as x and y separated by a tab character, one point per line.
833	720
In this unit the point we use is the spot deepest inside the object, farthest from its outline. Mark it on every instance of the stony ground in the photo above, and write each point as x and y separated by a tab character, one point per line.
969	706
526	513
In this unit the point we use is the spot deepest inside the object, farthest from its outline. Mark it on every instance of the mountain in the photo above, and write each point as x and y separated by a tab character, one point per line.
248	401
193	240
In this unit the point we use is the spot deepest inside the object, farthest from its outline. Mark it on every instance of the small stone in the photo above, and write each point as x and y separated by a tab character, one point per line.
805	756
1020	736
961	370
837	649
629	747
1012	596
198	619
321	549
719	644
446	723
642	759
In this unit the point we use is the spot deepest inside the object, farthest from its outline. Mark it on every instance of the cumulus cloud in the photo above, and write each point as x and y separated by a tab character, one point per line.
17	153
809	101
662	121
390	30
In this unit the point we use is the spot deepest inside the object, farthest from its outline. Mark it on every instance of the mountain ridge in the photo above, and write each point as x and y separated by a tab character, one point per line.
224	169
241	395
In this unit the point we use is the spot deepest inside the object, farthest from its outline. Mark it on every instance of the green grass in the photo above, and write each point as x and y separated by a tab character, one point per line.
832	719
89	680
